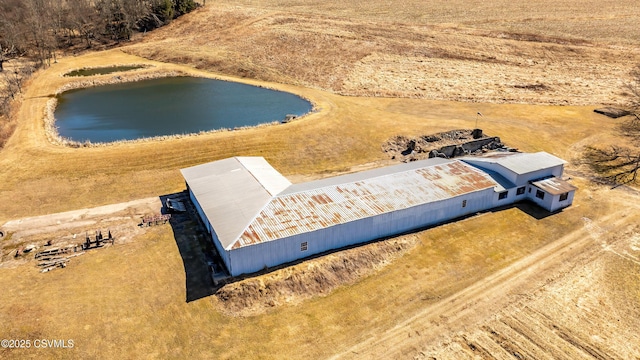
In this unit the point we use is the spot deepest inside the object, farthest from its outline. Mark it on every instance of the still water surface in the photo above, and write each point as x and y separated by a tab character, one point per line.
168	106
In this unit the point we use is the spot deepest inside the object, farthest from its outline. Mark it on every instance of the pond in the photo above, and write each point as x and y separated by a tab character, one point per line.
168	106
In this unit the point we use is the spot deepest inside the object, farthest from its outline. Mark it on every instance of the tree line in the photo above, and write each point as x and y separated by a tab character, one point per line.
37	28
33	30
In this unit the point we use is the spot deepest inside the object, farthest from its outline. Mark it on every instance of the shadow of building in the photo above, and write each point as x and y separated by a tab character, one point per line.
195	250
202	263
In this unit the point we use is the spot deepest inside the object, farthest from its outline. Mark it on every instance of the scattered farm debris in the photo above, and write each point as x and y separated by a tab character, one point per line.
448	145
612	112
30	248
59	257
53	253
99	241
155	219
51	259
289	118
175	205
69	229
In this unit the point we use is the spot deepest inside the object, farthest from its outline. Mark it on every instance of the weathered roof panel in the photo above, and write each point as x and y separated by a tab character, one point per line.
330	202
554	186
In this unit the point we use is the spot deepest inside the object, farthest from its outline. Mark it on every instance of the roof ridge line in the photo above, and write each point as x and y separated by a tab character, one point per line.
253	218
355	172
254	176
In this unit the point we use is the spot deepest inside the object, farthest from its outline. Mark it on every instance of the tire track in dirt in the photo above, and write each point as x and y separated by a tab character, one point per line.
480	300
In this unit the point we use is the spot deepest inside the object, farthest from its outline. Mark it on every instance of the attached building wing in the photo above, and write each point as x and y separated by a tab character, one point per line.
518	163
554	186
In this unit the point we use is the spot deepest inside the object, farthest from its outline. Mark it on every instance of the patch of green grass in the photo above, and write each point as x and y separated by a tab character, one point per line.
103	70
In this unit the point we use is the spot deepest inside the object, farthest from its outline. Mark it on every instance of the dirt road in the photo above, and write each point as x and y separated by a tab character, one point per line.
467	319
68	228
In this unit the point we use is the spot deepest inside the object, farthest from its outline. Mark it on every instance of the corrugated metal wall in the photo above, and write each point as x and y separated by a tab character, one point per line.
214	238
195	203
256	257
543	203
525	178
252	258
556	204
550	202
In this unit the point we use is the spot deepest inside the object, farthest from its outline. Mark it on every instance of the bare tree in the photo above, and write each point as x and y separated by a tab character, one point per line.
12	38
617	164
83	19
634	90
2	58
122	16
39	25
13	80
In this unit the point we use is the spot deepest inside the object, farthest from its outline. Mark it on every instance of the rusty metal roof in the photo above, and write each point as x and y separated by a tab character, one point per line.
554	186
312	206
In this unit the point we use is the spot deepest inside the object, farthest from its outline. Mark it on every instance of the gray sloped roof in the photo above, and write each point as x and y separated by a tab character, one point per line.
231	192
519	163
502	183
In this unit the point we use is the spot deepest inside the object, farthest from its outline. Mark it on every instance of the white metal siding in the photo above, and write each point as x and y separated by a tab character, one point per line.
510	199
254	226
195	203
556	204
248	259
543	203
535	175
214	237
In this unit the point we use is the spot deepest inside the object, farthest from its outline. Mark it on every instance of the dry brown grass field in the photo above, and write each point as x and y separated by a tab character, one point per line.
503	284
541	52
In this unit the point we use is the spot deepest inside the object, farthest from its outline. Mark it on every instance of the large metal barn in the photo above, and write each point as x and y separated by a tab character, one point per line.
258	219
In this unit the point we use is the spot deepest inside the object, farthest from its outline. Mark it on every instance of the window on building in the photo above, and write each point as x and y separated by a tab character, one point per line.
464	203
303	246
564	196
503	195
540	194
520	190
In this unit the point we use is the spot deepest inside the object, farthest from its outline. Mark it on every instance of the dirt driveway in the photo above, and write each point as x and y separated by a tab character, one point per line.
560	302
